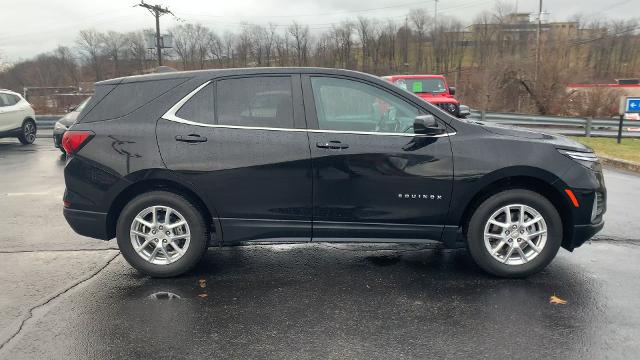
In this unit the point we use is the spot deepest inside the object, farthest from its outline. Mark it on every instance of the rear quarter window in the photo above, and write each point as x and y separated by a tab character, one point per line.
200	107
110	103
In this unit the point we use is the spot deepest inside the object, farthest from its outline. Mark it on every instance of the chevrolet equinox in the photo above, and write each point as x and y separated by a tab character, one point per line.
172	163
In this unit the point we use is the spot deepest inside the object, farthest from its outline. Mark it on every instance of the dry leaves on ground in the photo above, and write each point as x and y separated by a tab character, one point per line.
556	300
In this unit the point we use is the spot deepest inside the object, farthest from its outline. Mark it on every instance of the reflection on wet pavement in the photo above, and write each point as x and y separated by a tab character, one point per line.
316	301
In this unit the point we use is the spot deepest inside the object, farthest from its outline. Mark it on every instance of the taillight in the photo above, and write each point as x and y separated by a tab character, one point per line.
74	140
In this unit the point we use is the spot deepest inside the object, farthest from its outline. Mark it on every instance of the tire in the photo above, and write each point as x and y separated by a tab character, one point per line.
524	242
28	133
168	261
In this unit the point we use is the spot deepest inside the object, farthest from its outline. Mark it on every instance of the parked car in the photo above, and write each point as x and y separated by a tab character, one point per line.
172	163
17	118
65	122
464	111
432	88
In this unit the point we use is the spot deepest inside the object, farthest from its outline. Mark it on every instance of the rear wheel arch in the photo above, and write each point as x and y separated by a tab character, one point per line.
551	193
148	185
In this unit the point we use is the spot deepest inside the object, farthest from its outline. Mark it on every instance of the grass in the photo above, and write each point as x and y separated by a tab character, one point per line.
629	149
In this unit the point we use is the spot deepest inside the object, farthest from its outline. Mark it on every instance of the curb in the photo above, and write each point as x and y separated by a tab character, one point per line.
620	164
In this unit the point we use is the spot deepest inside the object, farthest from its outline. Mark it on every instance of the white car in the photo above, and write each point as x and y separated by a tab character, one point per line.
17	118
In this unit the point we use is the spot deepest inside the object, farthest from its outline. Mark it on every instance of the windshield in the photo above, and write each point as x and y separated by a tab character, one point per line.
427	85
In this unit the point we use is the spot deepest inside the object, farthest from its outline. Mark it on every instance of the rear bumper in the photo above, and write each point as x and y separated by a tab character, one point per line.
88	223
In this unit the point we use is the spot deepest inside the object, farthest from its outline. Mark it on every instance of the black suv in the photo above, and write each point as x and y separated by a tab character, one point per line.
172	163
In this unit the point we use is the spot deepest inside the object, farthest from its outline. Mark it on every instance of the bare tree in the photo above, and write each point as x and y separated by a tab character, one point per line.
420	20
300	39
91	46
363	27
343	40
136	50
228	41
191	44
67	65
114	45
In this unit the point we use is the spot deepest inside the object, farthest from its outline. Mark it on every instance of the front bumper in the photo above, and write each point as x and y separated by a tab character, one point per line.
591	194
57	139
88	223
582	233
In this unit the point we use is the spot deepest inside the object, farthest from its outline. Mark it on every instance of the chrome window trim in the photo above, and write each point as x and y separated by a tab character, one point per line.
170	115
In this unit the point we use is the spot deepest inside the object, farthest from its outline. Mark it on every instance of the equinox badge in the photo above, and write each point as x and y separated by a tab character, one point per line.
420	196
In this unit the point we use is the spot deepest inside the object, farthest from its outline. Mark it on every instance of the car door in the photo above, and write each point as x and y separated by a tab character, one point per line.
248	151
374	179
10	116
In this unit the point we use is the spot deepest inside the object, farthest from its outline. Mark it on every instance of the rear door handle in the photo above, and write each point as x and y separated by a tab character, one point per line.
191	138
334	144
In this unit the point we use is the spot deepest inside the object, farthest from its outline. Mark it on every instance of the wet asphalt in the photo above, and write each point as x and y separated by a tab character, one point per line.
63	296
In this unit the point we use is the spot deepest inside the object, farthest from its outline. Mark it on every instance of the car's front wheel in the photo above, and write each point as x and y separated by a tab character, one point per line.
161	234
514	233
28	133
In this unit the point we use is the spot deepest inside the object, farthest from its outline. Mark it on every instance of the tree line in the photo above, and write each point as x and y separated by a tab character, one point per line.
492	68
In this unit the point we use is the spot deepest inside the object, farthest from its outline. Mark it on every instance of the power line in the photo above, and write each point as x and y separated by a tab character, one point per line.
463	5
328	25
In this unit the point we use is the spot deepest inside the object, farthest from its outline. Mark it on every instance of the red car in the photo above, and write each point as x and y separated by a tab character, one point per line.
432	88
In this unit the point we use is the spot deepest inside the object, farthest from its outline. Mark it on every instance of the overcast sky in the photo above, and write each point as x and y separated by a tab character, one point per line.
29	27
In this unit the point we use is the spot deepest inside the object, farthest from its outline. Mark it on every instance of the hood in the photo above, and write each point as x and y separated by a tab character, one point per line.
437	98
69	119
559	141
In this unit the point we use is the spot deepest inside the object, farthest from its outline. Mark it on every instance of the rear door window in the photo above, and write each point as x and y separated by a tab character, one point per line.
259	101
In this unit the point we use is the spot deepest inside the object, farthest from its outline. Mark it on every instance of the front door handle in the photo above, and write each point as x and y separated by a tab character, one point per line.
334	144
191	138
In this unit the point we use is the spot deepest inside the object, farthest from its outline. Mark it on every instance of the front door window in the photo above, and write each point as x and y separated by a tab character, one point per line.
347	105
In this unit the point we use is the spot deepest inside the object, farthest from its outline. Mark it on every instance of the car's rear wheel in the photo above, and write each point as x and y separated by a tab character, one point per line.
161	234
28	134
514	233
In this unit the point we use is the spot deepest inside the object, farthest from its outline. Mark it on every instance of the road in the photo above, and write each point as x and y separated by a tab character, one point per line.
65	296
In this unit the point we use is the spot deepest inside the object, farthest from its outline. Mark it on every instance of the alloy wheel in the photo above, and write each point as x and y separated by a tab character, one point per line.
160	235
29	132
515	234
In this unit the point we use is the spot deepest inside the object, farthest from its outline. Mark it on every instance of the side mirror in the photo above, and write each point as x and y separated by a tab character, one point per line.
452	90
464	112
427	125
71	108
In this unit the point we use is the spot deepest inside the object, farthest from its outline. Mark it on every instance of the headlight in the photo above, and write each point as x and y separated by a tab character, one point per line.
586	159
59	127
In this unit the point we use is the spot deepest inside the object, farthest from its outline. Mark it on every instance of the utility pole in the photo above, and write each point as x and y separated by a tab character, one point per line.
157	11
405	52
538	41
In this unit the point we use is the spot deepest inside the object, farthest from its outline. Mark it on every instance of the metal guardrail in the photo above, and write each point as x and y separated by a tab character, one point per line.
47	121
588	125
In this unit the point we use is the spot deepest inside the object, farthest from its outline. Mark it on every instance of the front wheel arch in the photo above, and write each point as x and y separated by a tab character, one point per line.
528	183
21	136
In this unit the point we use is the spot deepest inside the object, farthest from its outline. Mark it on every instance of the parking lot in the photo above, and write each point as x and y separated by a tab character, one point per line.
66	296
